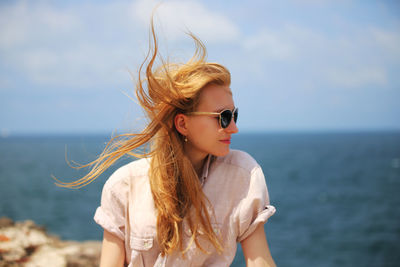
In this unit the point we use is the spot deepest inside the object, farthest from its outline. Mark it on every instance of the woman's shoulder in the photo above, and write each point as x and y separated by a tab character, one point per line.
127	172
239	159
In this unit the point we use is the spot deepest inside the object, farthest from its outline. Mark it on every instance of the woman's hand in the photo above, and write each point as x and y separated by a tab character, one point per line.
256	251
112	251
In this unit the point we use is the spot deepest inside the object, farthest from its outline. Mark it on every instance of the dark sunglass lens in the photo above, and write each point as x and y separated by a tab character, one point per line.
226	118
235	115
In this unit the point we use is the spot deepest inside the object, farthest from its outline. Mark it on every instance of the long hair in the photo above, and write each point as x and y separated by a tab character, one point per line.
163	92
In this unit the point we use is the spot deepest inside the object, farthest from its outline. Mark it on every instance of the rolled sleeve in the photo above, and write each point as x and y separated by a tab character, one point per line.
111	213
255	208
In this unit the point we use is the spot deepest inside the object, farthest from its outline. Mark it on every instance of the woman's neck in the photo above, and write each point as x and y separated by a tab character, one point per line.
197	160
199	167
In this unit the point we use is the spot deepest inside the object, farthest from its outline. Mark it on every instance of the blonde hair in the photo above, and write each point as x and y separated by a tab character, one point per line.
163	93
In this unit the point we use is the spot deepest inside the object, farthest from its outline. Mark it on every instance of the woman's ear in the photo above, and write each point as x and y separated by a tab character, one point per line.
180	122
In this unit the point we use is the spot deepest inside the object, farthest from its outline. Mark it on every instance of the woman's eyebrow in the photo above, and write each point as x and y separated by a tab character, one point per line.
224	108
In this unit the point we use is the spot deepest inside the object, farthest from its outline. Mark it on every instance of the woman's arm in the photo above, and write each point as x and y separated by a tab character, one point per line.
112	251
255	249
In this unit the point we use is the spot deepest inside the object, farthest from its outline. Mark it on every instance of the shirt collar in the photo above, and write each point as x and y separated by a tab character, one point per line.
206	166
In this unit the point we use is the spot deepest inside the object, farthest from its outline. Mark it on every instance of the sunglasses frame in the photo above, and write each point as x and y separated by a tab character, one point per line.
219	114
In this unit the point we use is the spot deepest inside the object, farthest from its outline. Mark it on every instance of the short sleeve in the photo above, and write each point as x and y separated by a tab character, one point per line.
254	208
111	213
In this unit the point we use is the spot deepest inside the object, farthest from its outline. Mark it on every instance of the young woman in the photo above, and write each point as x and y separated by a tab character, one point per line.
189	199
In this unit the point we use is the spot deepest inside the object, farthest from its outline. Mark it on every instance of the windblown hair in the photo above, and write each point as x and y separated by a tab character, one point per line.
164	92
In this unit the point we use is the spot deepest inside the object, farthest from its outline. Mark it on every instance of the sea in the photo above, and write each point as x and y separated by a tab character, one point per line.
337	194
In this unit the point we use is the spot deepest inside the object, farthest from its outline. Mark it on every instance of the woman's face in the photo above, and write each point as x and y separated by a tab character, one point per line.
205	135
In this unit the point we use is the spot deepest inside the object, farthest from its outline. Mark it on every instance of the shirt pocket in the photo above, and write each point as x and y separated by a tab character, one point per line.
141	243
139	247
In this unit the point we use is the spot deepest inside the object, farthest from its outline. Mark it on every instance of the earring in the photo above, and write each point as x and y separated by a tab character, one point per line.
185	139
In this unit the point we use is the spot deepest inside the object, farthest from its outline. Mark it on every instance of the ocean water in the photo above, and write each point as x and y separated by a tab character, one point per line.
337	194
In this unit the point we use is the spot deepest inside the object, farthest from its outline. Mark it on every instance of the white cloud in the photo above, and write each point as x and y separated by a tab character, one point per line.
349	59
14	28
79	67
269	45
178	16
360	77
87	44
388	41
24	23
74	46
287	42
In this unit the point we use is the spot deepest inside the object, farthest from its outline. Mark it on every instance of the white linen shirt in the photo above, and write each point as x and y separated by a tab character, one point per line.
234	185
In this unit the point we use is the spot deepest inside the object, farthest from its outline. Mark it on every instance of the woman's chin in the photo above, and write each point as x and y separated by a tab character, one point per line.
221	153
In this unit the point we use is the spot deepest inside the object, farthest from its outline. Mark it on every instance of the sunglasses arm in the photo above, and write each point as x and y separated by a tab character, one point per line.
203	113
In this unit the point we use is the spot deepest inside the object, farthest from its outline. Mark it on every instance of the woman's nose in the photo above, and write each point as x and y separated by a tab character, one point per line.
232	128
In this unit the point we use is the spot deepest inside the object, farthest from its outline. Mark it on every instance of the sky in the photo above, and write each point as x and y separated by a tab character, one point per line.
302	65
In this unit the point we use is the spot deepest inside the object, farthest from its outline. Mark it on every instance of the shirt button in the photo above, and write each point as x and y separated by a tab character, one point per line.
216	230
147	244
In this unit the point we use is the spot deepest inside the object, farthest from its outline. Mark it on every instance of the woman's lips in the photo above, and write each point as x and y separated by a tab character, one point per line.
226	141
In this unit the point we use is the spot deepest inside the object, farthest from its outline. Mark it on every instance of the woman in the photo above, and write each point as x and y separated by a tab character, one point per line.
189	199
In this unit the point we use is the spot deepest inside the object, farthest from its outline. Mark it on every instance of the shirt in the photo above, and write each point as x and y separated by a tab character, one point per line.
235	186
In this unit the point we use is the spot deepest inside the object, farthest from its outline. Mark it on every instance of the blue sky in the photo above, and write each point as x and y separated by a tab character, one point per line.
300	65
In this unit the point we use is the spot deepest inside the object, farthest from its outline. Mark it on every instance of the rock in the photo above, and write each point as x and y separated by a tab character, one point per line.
6	222
87	255
27	244
47	256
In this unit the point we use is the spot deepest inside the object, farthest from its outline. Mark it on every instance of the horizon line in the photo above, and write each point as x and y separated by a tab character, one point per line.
4	135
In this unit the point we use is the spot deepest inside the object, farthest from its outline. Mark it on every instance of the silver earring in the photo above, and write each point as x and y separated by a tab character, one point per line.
185	139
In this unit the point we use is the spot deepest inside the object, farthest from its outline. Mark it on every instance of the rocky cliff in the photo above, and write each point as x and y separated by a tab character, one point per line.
27	244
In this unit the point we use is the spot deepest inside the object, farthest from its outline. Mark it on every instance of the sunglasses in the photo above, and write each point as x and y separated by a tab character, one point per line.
225	116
